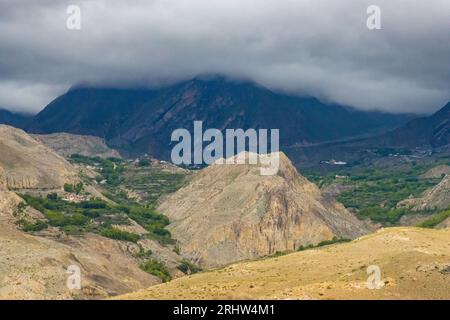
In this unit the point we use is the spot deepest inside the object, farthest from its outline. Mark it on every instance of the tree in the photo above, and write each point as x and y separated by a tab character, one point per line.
79	187
52	196
68	187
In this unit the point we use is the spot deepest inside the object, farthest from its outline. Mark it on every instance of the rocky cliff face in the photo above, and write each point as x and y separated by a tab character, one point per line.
27	164
230	212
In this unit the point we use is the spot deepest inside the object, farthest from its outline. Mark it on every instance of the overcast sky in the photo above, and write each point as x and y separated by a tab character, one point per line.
305	47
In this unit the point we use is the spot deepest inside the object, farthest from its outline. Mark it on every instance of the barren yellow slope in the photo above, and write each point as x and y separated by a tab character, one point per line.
415	264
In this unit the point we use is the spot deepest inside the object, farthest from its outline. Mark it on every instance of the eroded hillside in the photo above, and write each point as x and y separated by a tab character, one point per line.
231	212
27	164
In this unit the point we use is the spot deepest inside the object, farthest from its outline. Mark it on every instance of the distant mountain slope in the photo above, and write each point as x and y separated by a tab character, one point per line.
13	119
231	212
141	121
67	144
433	131
414	264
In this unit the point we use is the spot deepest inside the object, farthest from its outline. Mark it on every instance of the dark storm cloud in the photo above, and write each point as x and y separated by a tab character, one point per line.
306	47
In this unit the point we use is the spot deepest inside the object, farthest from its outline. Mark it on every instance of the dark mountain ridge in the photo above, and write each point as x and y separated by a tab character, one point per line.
425	135
17	120
432	131
138	121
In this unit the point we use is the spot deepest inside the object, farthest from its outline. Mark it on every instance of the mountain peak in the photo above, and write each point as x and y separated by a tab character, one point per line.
231	212
142	121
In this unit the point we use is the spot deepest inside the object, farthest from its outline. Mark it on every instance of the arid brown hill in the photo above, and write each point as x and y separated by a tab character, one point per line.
229	213
414	264
67	144
34	266
27	164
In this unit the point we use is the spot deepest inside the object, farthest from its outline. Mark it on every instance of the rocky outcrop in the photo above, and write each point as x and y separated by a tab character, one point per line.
67	144
27	164
8	203
231	212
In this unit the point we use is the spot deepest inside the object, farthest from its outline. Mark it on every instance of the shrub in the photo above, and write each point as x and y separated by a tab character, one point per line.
52	196
93	204
142	253
68	187
144	163
116	234
188	267
157	269
435	220
332	241
78	188
324	243
32	227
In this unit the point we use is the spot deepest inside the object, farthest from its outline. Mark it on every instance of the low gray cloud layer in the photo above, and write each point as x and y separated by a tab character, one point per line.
306	47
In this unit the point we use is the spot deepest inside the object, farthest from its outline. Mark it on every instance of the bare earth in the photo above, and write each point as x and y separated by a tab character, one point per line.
35	267
67	144
415	264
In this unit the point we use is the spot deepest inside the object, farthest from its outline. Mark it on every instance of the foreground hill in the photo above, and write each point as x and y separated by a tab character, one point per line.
27	164
141	121
414	264
231	212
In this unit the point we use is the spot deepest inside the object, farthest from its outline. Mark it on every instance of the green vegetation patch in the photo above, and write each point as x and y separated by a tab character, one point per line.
435	220
32	227
187	267
324	243
157	269
98	216
116	234
375	191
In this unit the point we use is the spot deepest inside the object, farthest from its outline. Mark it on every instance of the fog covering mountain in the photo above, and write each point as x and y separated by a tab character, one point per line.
138	121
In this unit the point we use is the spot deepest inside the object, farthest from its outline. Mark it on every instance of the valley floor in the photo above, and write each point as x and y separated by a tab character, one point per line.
414	264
